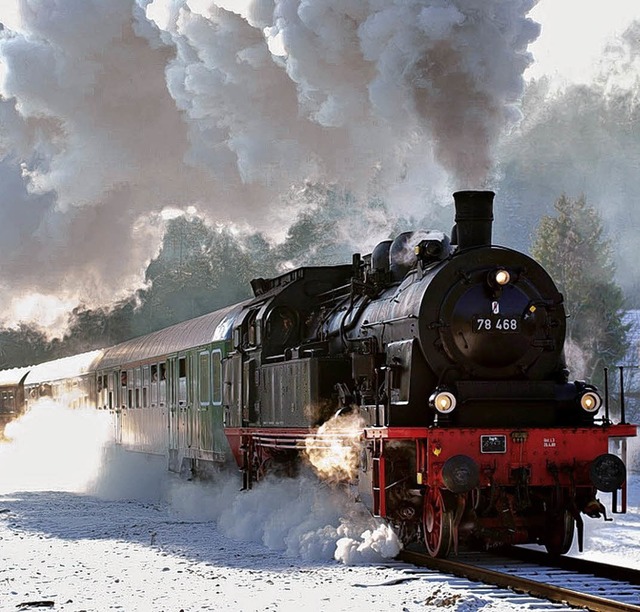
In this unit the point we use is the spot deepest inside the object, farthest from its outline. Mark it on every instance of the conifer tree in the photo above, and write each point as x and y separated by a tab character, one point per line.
573	248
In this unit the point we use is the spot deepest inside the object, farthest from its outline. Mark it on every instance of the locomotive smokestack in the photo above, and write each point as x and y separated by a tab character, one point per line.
474	216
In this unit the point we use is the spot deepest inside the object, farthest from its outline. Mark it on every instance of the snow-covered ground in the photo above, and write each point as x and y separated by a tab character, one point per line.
85	527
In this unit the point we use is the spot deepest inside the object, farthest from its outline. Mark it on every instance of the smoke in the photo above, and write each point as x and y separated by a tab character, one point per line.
577	360
112	111
350	92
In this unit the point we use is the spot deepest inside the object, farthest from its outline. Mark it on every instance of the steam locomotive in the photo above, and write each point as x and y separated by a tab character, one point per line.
449	350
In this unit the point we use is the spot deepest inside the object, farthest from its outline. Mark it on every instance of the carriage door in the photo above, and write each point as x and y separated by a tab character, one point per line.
242	370
184	409
115	404
172	409
233	381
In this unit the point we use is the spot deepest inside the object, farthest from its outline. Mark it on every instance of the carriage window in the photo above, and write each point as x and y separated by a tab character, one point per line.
113	382
216	371
145	387
162	384
204	379
182	380
103	390
154	385
138	374
130	387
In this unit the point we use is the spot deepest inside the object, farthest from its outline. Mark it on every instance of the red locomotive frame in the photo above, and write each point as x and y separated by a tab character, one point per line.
553	458
552	463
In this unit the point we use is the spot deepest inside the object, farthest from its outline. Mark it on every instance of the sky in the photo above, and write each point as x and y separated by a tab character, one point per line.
116	531
573	33
116	113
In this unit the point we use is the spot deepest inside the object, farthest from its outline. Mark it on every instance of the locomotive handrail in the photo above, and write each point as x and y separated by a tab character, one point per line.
622	415
388	321
337	291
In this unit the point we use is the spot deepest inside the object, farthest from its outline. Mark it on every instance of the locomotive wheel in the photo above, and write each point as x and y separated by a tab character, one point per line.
560	534
437	524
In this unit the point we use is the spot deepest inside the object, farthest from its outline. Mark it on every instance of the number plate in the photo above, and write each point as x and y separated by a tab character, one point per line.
495	323
493	444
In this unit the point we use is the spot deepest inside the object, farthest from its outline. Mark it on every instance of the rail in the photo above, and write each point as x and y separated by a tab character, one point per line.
622	596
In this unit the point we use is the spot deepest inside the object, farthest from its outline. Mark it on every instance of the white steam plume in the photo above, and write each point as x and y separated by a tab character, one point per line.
334	449
56	448
301	516
53	448
112	110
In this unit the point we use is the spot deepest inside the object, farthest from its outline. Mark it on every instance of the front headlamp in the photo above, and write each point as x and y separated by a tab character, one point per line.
443	401
590	401
498	279
502	277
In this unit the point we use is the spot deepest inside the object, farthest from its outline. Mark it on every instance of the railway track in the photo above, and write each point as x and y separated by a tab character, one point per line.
570	581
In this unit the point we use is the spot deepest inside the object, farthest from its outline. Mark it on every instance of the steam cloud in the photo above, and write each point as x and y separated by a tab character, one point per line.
53	447
334	449
56	448
301	516
113	110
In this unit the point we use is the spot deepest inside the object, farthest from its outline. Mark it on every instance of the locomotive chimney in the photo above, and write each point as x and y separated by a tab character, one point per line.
474	216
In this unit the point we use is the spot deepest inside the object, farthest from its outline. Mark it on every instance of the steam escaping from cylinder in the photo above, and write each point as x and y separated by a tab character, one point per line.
114	110
334	449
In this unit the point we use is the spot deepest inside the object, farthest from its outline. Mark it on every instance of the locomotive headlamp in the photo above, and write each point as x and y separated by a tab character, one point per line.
590	401
443	401
502	277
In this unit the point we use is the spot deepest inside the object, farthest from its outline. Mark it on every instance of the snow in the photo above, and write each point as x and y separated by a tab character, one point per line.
87	527
65	367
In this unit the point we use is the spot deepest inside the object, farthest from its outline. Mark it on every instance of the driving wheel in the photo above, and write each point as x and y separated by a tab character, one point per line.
560	533
437	524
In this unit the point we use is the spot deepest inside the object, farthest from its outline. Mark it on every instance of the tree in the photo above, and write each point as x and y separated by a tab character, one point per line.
23	346
198	269
573	249
332	225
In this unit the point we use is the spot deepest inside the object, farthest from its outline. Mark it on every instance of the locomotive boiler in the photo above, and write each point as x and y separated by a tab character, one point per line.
447	351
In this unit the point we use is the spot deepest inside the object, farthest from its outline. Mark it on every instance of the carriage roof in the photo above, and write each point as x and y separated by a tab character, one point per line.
196	332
